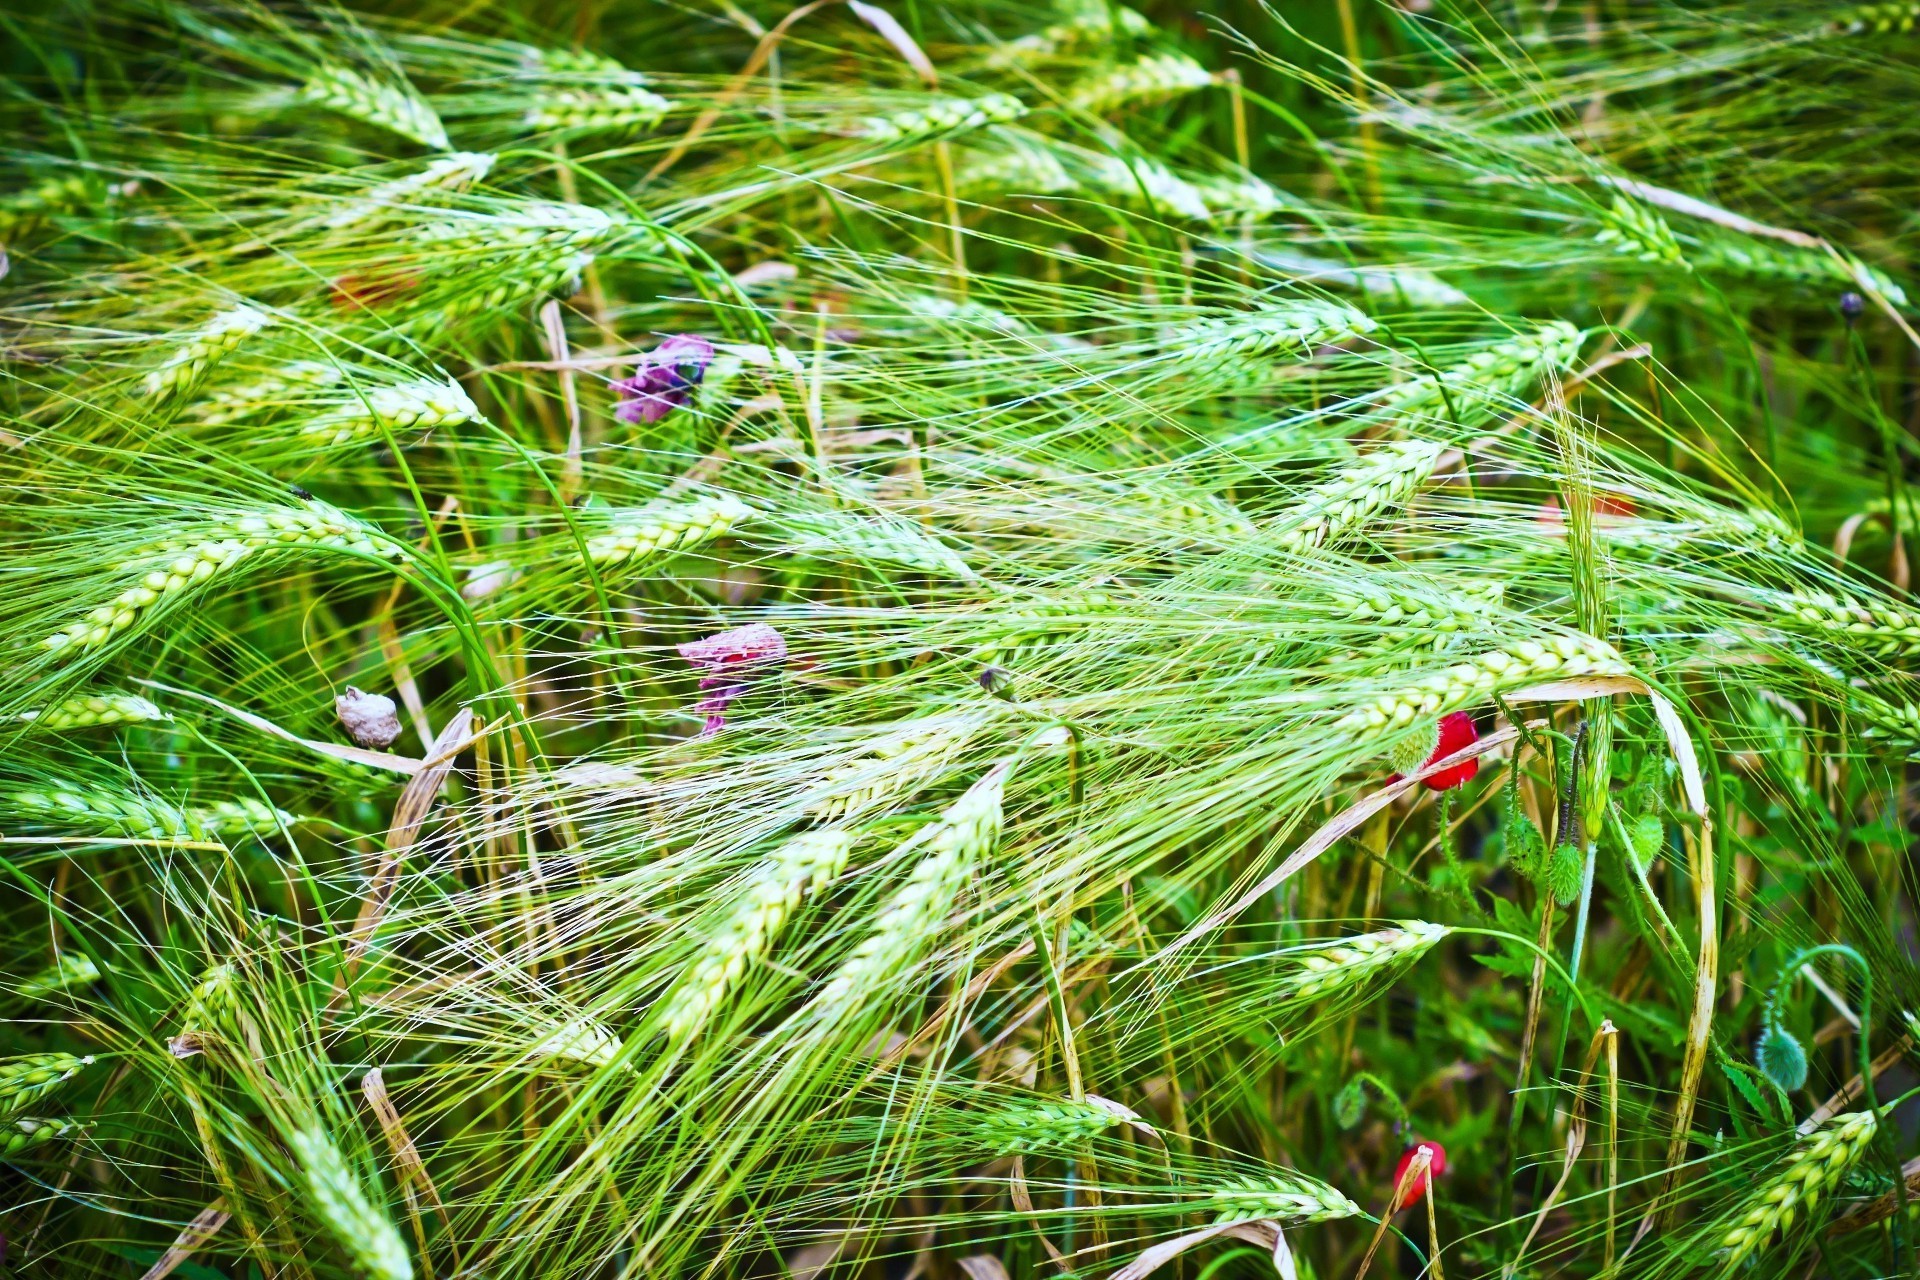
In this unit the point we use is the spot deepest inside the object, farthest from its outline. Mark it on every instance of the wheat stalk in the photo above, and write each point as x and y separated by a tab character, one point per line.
1350	962
1474	679
1636	231
890	770
455	172
944	116
667	525
223	405
599	108
1280	1197
24	1134
1031	1127
1489	376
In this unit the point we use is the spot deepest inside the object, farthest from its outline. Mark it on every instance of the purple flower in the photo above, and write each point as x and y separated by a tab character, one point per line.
729	660
664	379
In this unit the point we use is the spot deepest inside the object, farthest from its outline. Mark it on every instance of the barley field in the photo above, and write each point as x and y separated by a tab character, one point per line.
959	640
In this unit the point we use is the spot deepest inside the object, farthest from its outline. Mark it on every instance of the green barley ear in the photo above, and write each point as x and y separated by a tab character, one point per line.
1564	871
72	970
943	117
1478	677
455	172
667	525
186	363
805	864
338	1200
1294	328
95	809
597	108
1029	1128
172	567
913	917
1780	1056
25	1134
890	770
846	536
583	1040
1337	508
1339	966
402	407
26	1080
1817	1165
385	106
1636	231
95	710
1288	1197
1894	16
1488	378
209	1012
1154	77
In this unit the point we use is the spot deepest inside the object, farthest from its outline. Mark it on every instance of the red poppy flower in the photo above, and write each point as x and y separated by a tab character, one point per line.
1456	731
1436	1153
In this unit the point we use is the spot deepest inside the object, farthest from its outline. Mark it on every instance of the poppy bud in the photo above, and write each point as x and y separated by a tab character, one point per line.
1852	306
1418	1186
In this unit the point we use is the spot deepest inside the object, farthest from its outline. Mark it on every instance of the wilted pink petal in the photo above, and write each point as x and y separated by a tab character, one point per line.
664	378
730	660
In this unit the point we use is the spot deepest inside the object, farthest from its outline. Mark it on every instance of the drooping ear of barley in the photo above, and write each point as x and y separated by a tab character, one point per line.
849	537
1881	628
184	365
1795	1188
385	106
1895	723
1083	23
336	1197
943	117
295	381
174	566
889	771
1031	1127
1019	164
1288	1197
25	1134
583	1040
1791	264
1351	962
1489	377
1336	508
804	864
455	172
209	1010
597	108
94	809
1292	328
1011	630
912	918
26	1080
536	247
1523	662
1633	229
72	970
1399	615
406	406
1899	16
1130	177
667	525
1155	76
90	710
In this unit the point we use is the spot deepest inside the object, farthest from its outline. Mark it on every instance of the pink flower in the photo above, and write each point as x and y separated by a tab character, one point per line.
664	379
729	660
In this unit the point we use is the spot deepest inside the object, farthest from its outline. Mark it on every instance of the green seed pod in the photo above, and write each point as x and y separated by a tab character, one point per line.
1781	1057
1350	1104
1526	847
1646	836
1564	872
